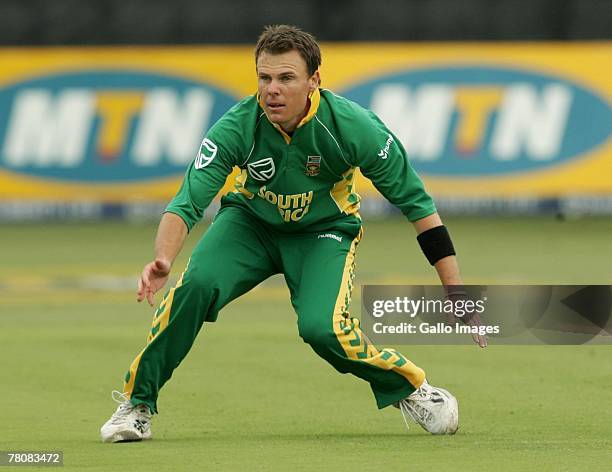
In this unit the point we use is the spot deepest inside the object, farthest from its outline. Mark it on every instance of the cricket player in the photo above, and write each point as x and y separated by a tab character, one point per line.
294	211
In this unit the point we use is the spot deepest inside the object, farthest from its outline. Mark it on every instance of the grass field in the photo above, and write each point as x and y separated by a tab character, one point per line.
252	396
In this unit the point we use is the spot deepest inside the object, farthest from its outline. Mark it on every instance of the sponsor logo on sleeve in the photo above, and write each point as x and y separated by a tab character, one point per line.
384	152
208	151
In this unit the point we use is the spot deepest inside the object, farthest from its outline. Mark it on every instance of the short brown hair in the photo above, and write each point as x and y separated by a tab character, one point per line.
277	39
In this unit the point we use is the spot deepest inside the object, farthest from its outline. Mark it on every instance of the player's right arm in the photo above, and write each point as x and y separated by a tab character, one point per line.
203	180
171	236
217	156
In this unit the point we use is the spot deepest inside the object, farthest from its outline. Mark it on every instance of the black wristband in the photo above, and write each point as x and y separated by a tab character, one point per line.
436	244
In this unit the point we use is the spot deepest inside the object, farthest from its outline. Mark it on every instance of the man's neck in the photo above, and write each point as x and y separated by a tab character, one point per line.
292	126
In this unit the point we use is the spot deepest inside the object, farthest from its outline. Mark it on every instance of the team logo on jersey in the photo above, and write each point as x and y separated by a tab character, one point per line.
313	166
262	170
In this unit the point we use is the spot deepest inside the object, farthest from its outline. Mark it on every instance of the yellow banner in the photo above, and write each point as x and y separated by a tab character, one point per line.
491	120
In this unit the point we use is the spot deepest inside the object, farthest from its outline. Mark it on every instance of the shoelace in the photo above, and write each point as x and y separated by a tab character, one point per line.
409	407
119	397
423	393
418	414
124	404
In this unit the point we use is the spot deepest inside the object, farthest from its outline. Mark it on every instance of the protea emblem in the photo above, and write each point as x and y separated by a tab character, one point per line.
262	169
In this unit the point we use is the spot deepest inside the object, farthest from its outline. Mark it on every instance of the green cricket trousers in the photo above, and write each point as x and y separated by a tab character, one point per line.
238	252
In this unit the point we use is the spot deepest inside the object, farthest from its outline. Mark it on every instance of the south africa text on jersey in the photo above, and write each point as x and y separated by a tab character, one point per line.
291	207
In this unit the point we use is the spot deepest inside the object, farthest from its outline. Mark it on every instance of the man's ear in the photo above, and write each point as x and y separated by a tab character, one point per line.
315	81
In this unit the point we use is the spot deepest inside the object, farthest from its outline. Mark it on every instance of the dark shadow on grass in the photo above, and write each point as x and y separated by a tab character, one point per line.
413	435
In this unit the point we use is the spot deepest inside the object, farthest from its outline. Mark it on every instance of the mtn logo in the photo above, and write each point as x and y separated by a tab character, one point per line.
107	126
471	121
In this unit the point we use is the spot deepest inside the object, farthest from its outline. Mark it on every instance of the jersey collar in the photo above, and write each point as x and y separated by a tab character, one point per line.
314	98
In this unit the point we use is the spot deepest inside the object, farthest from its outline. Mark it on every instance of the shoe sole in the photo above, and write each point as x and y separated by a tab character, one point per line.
126	436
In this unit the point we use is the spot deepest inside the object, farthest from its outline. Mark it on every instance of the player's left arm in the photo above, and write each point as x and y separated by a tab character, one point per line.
437	246
383	160
447	266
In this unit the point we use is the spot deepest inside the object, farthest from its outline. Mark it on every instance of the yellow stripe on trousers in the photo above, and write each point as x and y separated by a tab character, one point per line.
355	343
160	322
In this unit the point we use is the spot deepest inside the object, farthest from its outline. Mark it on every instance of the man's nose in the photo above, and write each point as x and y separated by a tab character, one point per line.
273	87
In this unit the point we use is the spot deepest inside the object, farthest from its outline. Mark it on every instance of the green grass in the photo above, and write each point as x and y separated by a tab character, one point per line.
252	396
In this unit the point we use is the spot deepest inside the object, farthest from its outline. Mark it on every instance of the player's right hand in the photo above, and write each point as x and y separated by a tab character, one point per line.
154	276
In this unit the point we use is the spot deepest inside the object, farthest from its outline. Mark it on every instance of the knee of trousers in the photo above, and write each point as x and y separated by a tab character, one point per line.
202	282
317	335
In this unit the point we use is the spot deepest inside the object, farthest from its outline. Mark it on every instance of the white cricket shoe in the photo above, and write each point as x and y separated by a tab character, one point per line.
435	409
128	423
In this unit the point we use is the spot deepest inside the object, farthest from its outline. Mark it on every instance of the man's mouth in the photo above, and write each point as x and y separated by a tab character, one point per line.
275	106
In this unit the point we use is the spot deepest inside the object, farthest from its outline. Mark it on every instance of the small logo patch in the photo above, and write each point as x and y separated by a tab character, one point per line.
262	170
140	425
330	236
384	152
313	166
208	151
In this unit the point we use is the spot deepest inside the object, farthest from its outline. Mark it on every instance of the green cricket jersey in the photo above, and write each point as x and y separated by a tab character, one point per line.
303	182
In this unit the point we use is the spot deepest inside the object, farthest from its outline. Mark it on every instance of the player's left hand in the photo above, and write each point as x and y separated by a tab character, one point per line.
474	320
470	319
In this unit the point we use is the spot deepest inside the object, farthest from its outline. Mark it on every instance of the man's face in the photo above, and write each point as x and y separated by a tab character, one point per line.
284	86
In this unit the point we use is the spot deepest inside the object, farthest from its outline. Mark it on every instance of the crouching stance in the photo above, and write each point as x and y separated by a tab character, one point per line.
294	211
